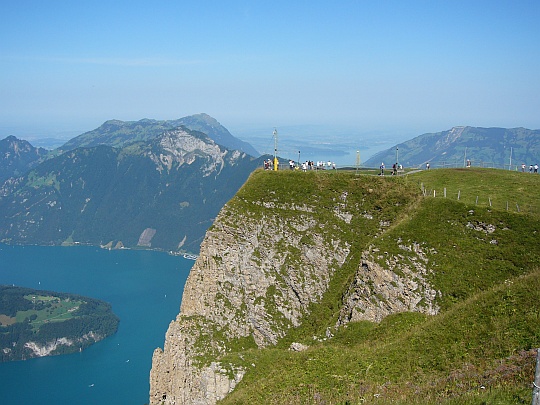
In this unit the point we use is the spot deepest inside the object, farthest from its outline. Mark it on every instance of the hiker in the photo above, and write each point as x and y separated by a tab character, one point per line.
427	166
536	168
530	168
394	169
382	169
523	167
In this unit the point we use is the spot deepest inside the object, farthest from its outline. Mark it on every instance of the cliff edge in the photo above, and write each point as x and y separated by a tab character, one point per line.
273	251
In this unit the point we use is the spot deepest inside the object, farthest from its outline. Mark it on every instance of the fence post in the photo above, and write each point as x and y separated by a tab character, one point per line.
517	206
536	383
507	206
476	200
489	198
445	192
458	194
434	193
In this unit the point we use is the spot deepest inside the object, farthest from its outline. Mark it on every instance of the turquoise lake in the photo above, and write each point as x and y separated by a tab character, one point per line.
144	289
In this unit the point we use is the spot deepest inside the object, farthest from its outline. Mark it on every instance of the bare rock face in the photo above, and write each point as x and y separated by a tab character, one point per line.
399	286
182	147
253	280
146	237
247	273
178	378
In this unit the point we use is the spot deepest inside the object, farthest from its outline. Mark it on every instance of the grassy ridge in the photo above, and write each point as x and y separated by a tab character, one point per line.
484	260
515	190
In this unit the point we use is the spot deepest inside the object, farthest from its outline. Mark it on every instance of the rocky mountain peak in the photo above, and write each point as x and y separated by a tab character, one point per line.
182	146
17	156
17	146
118	133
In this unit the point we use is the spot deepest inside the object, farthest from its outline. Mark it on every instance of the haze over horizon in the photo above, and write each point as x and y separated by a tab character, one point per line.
365	69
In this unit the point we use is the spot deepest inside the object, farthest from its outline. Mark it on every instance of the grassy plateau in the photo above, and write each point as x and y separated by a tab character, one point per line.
483	258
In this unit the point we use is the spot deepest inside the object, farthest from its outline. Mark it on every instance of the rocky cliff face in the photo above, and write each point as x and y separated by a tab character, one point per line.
268	256
47	349
179	147
242	286
398	286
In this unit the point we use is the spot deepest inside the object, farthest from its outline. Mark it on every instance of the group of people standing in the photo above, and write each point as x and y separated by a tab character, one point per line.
395	168
532	168
268	164
310	165
305	166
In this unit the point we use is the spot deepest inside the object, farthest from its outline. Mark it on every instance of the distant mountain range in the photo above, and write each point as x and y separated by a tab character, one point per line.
118	133
489	147
122	185
159	184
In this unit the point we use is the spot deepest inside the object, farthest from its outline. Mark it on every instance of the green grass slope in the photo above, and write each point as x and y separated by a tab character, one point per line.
482	258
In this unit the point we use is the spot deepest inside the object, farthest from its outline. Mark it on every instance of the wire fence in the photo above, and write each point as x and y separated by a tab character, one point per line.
470	163
521	167
482	200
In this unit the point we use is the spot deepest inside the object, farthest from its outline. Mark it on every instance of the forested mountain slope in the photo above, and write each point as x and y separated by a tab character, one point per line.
161	193
484	147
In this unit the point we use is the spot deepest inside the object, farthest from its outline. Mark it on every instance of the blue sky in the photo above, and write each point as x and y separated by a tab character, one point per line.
406	67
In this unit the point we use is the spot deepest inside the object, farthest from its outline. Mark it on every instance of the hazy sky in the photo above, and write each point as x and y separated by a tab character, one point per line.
420	66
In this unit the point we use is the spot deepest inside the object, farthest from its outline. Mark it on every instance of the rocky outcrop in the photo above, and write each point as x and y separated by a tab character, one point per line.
179	147
49	348
399	285
450	137
146	237
254	279
247	270
265	260
177	375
